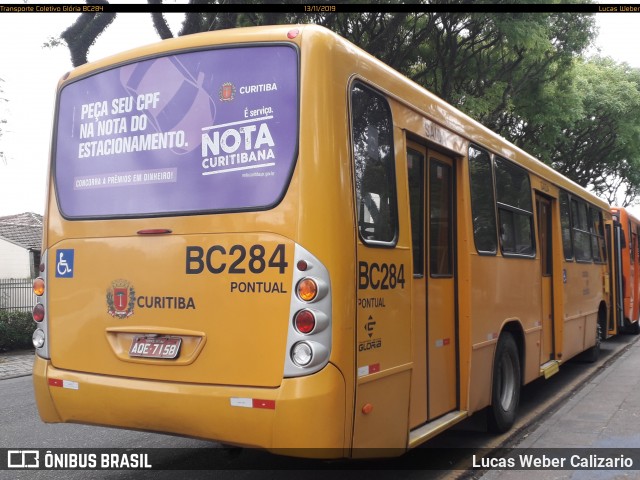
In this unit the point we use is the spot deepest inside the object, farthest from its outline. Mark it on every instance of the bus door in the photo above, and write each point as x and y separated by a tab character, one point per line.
435	369
619	242
544	212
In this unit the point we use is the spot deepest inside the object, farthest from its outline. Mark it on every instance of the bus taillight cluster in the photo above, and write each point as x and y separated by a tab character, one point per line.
308	321
38	313
309	334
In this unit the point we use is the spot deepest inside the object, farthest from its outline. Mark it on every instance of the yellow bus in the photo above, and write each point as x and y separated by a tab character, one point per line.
268	238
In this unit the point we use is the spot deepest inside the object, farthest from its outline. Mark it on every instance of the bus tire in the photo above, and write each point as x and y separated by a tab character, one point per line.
634	327
591	354
506	382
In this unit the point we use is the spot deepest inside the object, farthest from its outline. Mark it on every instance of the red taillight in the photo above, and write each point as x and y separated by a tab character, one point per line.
38	312
38	286
305	321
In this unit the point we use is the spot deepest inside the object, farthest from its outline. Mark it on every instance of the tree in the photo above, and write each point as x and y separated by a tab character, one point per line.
600	147
80	36
494	66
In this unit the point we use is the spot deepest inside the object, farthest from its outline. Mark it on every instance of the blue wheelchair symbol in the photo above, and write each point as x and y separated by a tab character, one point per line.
64	263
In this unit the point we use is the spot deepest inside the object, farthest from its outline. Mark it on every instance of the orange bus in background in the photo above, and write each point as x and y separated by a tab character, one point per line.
268	238
626	256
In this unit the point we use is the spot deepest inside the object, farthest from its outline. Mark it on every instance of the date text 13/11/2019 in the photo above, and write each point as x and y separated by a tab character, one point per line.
319	8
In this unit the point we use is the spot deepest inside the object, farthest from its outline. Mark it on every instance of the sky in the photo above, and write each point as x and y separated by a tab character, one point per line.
31	72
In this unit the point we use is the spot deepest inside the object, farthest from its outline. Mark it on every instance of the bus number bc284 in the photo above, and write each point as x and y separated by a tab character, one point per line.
381	276
238	259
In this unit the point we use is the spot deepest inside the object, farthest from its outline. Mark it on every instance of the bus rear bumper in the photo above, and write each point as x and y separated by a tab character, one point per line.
303	417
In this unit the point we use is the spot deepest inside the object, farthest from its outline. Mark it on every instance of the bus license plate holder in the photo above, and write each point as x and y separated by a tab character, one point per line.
155	347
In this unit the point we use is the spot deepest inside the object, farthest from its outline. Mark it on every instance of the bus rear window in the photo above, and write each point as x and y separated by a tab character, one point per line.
202	131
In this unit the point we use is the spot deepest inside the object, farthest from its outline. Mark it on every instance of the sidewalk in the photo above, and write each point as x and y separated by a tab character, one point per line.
14	364
604	413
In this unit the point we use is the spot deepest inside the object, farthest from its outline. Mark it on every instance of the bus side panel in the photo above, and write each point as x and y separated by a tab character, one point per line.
583	294
383	350
304	406
480	376
492	306
385	426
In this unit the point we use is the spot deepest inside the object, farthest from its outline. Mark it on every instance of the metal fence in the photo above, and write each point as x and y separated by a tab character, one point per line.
16	294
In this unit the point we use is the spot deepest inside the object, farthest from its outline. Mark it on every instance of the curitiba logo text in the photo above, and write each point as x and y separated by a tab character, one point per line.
121	299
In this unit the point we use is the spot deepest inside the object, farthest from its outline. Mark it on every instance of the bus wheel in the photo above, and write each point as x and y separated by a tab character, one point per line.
505	392
634	328
591	355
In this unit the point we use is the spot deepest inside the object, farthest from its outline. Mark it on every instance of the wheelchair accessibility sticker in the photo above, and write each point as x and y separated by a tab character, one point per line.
64	263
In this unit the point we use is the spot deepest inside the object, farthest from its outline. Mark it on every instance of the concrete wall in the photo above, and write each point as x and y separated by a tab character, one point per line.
14	261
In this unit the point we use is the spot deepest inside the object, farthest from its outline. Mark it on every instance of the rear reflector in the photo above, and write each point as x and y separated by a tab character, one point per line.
253	403
56	382
368	369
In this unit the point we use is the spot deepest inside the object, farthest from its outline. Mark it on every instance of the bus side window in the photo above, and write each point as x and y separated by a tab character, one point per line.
597	236
374	162
415	167
581	234
515	208
565	222
482	201
440	219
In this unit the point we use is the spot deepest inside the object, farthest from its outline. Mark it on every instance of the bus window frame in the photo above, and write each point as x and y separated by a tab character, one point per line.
567	196
434	162
598	236
581	202
472	202
393	181
514	210
417	242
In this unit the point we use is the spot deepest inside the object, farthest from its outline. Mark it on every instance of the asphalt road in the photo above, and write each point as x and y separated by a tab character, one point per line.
21	428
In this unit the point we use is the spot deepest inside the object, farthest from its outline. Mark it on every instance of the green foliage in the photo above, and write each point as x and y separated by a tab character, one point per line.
16	329
597	144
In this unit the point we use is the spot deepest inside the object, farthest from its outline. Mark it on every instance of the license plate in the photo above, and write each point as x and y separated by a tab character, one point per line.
155	347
